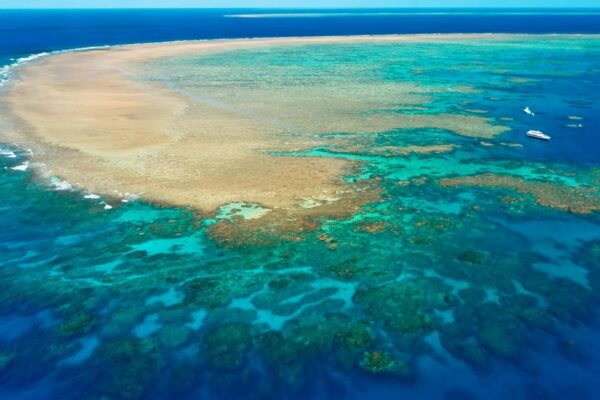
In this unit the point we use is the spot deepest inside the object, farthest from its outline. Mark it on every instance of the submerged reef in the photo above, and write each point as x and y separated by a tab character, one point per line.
401	308
380	362
578	199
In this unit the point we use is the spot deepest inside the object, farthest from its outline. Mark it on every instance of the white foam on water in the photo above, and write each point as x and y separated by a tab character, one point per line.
127	197
91	196
6	69
4	74
60	184
32	57
21	167
8	153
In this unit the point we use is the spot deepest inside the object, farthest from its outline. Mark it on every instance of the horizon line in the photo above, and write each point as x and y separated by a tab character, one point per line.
310	8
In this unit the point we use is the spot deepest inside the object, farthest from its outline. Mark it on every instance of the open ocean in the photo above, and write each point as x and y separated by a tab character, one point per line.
436	292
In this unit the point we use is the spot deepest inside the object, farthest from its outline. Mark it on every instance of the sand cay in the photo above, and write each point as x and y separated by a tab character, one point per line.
93	119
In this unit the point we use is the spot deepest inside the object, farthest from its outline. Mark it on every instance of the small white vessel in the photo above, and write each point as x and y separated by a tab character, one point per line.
527	110
538	135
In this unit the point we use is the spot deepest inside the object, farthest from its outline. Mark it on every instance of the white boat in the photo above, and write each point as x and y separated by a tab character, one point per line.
538	135
527	110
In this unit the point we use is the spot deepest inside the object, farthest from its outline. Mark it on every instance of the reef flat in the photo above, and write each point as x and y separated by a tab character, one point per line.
356	218
114	120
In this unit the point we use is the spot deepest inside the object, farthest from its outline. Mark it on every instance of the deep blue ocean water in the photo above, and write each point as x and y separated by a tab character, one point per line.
25	32
48	229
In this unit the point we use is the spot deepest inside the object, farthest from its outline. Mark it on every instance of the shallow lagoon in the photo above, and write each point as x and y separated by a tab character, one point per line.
477	289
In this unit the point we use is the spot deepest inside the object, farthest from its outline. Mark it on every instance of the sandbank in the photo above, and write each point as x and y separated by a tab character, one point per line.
91	120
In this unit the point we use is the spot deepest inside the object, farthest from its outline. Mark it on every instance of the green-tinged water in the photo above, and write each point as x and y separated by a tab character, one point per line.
476	273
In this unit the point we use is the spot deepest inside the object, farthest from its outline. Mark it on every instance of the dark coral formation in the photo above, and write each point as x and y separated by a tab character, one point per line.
580	200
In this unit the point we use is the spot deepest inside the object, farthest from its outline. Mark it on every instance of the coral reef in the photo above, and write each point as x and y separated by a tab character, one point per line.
581	200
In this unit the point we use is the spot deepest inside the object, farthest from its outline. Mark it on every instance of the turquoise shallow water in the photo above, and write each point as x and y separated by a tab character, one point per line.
485	290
